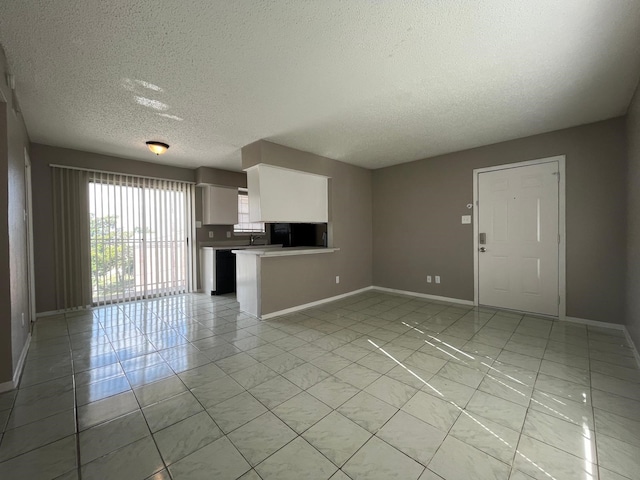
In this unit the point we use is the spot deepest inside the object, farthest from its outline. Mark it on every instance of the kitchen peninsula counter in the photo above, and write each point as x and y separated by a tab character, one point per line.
248	272
283	252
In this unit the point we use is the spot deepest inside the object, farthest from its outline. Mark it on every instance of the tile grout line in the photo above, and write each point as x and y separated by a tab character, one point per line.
461	410
520	433
595	461
136	398
477	389
541	360
370	315
201	404
75	402
332	410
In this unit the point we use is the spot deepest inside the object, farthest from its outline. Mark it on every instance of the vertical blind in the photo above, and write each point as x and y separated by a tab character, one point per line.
71	238
138	237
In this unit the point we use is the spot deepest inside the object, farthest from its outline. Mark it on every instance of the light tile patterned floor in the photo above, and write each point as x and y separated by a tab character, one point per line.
375	386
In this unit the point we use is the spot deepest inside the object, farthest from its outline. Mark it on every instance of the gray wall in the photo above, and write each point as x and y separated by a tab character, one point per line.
41	157
291	281
13	234
633	220
412	213
6	361
215	176
417	208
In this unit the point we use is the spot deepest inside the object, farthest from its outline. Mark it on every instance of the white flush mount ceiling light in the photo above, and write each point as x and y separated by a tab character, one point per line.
157	147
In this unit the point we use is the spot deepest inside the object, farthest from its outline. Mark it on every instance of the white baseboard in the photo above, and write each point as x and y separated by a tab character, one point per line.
593	323
425	295
633	346
11	384
613	326
297	308
20	366
51	313
366	289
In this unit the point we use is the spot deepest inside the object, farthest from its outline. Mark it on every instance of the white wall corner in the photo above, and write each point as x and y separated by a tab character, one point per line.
12	384
613	326
21	361
313	304
355	292
593	323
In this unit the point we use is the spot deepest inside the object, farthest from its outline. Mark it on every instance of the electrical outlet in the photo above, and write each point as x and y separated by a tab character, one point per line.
210	234
428	278
437	278
337	278
228	234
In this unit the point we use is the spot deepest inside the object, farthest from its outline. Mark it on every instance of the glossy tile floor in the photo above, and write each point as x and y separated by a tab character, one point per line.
375	386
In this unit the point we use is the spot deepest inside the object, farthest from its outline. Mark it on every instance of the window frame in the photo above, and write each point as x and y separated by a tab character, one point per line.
259	227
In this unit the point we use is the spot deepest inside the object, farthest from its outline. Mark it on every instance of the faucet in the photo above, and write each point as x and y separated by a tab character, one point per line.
252	238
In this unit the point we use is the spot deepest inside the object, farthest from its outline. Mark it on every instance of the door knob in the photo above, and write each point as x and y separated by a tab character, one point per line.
482	249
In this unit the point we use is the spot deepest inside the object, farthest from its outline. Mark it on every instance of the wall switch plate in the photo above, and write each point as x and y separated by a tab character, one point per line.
437	278
198	224
337	278
210	234
228	234
466	219
428	278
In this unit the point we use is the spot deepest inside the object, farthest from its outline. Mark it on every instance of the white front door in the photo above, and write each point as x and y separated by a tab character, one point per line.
518	241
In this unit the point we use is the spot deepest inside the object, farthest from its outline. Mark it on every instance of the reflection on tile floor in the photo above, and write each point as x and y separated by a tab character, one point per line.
371	386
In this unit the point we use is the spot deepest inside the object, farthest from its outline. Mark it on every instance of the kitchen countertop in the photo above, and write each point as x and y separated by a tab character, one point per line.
241	247
283	252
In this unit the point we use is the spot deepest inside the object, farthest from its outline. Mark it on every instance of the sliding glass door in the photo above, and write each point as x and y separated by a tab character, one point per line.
139	231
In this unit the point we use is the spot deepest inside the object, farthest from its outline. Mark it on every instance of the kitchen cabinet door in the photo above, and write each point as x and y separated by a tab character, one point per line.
219	205
283	195
208	270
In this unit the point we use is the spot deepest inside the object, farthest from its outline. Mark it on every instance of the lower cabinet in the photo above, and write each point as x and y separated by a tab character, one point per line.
207	270
218	271
225	272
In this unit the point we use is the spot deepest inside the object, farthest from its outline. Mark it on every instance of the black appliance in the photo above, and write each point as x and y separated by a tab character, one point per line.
298	234
225	272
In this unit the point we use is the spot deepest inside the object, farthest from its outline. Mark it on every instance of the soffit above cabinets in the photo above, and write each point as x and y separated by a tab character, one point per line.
219	177
282	195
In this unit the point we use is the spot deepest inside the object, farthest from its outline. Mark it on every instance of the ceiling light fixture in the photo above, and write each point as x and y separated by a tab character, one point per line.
157	147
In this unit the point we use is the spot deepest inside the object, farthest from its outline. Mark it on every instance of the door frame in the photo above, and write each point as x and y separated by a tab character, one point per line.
562	244
31	277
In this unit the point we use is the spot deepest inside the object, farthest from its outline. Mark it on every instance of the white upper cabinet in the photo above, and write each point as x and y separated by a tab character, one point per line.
219	205
281	195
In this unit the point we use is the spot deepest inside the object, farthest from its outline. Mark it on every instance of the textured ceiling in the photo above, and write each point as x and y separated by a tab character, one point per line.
372	83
